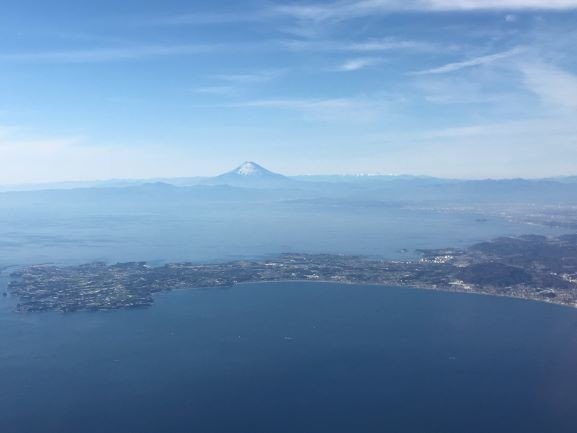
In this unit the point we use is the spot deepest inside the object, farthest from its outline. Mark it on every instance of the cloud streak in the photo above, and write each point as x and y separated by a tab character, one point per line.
106	55
152	51
554	86
250	78
366	46
477	61
209	18
235	84
358	64
448	5
342	10
216	90
350	109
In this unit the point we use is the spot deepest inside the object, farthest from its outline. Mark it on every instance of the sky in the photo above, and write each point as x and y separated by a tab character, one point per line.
174	88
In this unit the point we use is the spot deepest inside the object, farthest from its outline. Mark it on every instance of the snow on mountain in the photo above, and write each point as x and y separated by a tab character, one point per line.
250	168
252	175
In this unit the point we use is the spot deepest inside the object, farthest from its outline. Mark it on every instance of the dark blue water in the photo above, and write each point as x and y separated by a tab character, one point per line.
293	357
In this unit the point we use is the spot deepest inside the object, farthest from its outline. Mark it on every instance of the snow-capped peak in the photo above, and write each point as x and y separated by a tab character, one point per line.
251	174
250	168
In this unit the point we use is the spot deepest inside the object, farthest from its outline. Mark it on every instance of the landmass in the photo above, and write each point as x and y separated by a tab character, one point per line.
562	216
529	267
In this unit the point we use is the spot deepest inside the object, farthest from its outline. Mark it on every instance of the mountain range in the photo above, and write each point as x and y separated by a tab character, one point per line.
251	181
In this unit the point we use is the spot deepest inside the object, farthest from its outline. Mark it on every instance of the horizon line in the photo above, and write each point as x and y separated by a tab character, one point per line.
160	179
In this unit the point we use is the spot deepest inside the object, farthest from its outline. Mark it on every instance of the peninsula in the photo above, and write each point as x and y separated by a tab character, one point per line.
529	267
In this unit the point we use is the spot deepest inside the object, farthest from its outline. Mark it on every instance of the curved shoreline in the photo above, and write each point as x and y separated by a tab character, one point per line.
529	268
384	285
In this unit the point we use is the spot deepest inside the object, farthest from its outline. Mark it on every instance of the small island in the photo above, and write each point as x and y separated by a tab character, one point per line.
529	267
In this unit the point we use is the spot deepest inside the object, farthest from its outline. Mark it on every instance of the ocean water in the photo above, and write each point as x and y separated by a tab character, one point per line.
223	231
277	358
293	357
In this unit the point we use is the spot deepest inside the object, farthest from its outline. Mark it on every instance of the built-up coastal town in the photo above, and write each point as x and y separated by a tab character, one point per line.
528	267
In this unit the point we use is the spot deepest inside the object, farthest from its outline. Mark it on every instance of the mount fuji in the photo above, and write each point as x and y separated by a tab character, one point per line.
252	175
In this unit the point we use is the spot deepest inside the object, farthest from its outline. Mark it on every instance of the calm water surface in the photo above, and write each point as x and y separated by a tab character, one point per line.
293	357
208	232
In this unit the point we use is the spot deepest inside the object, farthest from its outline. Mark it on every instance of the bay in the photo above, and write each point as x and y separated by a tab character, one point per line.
293	357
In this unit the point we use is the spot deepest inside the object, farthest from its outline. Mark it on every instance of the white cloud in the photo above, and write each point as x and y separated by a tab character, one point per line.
460	90
108	54
356	109
518	137
314	12
136	52
301	103
554	86
207	18
341	10
477	61
358	64
216	90
369	45
250	77
234	84
497	4
143	52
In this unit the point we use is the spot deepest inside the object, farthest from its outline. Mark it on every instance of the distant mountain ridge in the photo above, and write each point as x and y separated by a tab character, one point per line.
254	176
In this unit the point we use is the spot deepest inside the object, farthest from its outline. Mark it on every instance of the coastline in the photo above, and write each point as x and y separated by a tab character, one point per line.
505	267
396	286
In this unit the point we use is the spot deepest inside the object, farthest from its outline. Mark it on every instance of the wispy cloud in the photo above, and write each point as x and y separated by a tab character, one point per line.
314	12
151	51
359	63
554	86
102	55
353	109
477	61
330	103
201	18
369	45
488	149
236	83
518	134
216	90
250	77
459	90
341	10
445	5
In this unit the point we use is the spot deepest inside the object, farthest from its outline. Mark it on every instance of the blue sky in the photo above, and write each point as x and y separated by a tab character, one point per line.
137	89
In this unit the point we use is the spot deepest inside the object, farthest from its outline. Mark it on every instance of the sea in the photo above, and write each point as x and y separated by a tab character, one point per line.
285	357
